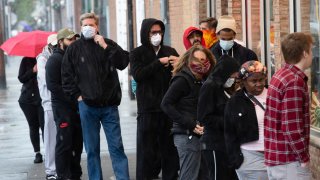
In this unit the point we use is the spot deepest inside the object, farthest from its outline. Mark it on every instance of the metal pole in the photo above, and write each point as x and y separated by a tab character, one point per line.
3	84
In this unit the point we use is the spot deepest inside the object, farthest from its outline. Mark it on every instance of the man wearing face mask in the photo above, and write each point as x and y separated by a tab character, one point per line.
151	66
208	26
226	31
214	94
89	75
193	36
65	111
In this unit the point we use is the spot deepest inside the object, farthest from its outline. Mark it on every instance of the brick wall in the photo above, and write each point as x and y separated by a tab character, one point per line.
255	25
180	18
202	9
237	15
153	9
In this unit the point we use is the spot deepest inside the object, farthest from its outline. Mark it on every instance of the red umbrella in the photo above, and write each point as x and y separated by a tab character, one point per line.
28	44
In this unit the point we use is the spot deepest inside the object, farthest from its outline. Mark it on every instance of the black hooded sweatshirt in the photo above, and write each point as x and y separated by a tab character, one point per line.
240	53
90	71
151	76
54	83
212	102
29	91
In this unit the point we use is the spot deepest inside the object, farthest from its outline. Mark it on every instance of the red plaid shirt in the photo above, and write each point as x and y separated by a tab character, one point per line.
287	120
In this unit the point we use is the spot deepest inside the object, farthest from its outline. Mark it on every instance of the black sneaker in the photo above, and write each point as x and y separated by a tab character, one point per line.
51	177
38	158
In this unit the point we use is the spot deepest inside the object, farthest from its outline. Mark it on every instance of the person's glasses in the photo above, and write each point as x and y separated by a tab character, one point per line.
155	32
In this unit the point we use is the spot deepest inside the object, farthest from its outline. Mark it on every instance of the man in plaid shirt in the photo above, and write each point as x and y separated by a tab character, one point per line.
287	121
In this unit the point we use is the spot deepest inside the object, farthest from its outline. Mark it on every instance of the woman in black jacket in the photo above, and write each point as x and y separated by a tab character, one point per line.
180	104
244	116
213	97
30	102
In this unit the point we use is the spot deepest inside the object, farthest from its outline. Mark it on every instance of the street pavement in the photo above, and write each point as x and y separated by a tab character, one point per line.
16	152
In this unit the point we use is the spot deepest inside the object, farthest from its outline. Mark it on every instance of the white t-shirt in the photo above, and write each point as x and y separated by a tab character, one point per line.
259	144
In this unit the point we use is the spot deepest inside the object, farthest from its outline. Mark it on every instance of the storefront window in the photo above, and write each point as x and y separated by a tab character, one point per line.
315	69
272	33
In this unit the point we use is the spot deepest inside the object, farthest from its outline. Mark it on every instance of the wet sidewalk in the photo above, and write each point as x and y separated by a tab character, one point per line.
16	157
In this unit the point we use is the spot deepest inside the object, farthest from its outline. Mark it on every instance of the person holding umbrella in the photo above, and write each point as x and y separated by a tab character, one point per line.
30	102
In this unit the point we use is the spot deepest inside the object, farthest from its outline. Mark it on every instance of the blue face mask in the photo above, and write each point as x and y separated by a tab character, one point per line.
226	45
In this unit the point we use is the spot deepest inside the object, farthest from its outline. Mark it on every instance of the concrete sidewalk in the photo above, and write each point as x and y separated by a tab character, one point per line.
16	157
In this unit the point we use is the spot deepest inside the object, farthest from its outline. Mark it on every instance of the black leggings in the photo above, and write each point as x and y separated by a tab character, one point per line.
35	117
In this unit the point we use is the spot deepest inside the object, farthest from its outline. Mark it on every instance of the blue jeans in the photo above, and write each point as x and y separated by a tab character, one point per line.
91	120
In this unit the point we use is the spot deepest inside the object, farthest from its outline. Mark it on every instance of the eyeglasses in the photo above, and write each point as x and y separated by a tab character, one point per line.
156	32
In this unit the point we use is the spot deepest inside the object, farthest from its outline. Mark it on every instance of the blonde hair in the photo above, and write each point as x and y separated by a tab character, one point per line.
89	16
188	57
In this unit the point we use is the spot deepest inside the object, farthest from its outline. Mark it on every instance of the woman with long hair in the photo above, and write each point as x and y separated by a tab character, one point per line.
180	104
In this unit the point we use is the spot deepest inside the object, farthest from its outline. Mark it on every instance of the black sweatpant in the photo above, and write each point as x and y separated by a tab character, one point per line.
35	117
217	164
69	142
153	132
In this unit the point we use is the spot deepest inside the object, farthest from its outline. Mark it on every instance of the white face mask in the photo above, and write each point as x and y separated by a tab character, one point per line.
156	39
226	45
88	32
229	83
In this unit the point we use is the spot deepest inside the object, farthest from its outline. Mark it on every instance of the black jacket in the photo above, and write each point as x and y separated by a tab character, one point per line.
212	101
54	82
29	91
90	71
240	53
241	126
181	100
151	76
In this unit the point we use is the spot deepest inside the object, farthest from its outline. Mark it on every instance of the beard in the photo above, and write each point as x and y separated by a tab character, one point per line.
196	41
64	46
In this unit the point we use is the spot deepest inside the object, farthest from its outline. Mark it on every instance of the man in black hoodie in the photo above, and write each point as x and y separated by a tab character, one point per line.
213	96
226	31
151	68
69	142
89	74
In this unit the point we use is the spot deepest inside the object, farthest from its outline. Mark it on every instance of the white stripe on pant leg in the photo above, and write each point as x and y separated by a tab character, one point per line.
215	165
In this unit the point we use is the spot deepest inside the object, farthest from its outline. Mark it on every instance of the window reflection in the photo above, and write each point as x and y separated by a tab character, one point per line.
315	69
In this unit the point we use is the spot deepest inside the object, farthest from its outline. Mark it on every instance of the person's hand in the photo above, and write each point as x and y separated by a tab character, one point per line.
35	69
173	60
198	129
164	61
79	98
305	165
100	41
